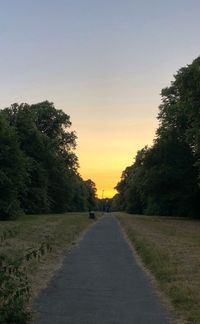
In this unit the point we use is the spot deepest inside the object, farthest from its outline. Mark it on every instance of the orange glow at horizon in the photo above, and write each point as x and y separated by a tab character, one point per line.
104	154
106	193
104	64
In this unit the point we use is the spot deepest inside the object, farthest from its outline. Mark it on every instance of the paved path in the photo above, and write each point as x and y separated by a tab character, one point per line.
100	283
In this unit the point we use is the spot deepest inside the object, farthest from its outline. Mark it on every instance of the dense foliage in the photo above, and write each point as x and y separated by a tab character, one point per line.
165	178
38	167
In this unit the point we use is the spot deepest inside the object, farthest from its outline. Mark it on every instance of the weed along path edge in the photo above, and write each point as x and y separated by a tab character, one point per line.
100	283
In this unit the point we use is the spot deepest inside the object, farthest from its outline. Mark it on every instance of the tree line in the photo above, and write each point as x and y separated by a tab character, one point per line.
38	166
165	178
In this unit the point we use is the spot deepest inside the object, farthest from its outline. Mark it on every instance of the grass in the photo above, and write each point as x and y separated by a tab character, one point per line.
60	231
170	248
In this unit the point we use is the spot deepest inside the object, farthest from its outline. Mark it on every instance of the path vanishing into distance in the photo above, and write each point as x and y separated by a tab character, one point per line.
100	283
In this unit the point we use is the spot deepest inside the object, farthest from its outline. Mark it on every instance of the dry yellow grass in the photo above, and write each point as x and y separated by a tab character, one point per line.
61	231
170	248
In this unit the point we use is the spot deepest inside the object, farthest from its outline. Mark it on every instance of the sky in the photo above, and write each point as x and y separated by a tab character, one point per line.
104	62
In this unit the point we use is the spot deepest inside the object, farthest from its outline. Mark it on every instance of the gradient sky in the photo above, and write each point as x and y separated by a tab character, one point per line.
104	62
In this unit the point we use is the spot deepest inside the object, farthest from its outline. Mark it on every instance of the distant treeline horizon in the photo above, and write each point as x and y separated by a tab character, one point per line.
38	166
39	169
165	177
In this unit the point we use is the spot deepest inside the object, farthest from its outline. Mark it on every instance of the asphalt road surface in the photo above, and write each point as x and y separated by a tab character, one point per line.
100	283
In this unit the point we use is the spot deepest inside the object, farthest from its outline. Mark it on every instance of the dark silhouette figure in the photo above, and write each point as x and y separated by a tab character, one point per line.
91	215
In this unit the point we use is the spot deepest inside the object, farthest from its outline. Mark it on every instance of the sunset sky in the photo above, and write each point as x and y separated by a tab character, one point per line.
104	62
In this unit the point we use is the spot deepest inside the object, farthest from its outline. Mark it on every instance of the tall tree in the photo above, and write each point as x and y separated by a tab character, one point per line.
53	183
13	171
164	178
179	111
91	194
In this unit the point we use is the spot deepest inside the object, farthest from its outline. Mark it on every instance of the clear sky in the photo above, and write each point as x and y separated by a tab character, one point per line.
104	62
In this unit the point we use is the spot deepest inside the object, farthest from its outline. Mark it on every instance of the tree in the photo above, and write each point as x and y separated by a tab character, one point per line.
164	178
91	194
130	187
13	171
179	111
170	180
53	183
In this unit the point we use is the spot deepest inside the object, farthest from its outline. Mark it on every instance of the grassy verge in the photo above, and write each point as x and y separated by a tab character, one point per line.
170	249
29	232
